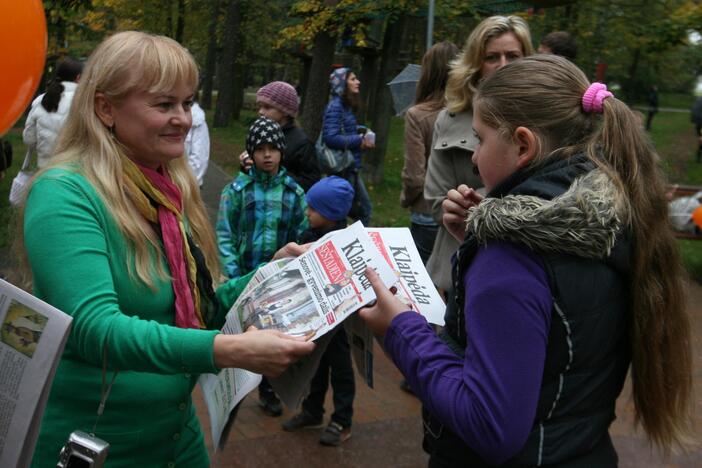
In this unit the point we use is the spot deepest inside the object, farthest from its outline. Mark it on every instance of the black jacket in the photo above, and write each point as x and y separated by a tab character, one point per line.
587	355
300	156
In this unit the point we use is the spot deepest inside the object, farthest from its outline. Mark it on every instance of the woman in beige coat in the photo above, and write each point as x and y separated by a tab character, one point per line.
495	42
419	127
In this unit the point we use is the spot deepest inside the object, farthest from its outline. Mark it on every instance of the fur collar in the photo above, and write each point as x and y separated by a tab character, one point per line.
584	221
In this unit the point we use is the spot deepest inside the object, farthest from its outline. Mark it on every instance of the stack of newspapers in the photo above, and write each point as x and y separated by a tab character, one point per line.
311	295
32	338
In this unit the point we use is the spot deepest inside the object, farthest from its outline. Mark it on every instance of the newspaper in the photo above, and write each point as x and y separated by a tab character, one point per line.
32	339
414	288
315	292
307	296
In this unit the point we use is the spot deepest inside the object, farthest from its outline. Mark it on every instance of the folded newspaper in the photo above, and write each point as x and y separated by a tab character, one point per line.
310	296
32	339
414	288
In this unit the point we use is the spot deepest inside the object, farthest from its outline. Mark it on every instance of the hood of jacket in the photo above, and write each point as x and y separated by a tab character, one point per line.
198	115
583	221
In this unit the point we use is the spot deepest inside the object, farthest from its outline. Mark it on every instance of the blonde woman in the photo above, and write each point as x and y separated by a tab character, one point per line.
116	235
493	43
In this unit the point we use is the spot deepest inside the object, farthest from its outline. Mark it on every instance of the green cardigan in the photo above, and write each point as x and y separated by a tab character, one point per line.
79	261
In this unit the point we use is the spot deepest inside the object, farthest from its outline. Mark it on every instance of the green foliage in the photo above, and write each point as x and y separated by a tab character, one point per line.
643	43
348	18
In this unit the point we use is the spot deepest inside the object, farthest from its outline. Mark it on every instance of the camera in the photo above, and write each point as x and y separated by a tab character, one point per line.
83	451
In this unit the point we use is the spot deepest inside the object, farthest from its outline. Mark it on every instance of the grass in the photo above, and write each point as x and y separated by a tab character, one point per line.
673	100
672	134
676	100
386	196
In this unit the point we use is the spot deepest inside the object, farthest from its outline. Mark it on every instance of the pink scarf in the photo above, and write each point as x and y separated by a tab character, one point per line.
158	187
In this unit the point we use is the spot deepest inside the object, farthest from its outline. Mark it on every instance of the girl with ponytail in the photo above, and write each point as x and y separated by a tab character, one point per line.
568	276
49	110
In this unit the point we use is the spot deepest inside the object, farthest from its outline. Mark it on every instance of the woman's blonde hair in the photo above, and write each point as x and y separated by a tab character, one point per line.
124	63
543	93
465	69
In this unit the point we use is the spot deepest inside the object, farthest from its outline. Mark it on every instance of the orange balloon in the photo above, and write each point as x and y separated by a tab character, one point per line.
697	216
23	51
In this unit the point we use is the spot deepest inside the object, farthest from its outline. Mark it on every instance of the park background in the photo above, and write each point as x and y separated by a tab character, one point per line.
243	44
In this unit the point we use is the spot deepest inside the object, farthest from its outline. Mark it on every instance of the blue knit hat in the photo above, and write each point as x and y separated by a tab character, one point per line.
337	80
331	197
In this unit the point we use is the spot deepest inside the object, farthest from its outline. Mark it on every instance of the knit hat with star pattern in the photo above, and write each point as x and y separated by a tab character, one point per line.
264	130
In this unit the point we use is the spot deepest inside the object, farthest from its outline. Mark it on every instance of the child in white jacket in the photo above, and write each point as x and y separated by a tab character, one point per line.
197	144
49	110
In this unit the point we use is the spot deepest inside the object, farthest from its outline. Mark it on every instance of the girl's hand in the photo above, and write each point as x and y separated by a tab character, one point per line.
456	207
291	249
379	316
267	352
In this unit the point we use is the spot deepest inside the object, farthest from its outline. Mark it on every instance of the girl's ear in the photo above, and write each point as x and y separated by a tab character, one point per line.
528	145
103	109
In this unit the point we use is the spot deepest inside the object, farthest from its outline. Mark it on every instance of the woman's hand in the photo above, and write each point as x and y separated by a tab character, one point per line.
291	249
245	161
379	316
455	208
365	144
267	352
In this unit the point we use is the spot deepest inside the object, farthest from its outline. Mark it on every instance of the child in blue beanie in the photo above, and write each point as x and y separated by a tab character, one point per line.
328	205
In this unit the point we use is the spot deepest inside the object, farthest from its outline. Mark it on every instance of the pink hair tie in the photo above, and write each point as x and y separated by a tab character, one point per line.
594	96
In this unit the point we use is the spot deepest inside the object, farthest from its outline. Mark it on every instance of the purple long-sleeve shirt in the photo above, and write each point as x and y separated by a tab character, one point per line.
489	398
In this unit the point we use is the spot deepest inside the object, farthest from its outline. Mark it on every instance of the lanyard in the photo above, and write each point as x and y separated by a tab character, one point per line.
104	393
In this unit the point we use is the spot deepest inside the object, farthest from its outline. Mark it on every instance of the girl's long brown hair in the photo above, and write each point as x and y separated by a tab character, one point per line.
543	93
435	68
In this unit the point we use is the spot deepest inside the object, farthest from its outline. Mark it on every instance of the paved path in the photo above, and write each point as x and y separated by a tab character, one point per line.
387	424
213	182
387	427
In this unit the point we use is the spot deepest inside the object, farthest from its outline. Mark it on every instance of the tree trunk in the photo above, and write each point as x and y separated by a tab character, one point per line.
368	76
225	98
383	108
630	90
318	85
169	18
211	58
237	89
180	22
306	63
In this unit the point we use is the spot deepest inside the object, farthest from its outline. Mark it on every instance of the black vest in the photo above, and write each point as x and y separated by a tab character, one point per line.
587	355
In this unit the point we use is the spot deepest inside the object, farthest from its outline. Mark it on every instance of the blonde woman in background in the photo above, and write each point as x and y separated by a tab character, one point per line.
494	42
117	236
